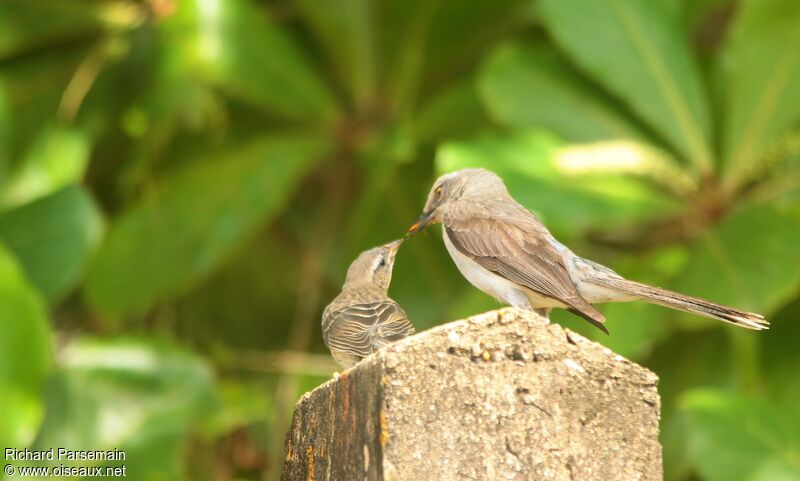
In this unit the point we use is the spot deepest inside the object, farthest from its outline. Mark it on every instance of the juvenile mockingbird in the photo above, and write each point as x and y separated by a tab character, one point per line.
363	318
503	250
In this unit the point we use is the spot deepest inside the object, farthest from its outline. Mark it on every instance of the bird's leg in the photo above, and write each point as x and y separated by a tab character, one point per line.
544	312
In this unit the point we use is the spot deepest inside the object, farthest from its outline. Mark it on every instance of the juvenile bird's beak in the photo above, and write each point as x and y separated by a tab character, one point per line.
393	247
420	224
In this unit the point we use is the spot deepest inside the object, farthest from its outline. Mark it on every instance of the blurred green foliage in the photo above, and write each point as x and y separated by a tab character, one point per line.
183	184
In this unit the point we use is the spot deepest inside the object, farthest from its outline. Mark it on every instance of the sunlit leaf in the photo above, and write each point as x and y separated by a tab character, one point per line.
52	238
234	45
637	51
748	261
626	158
735	439
24	355
761	71
570	196
141	397
59	157
181	231
531	86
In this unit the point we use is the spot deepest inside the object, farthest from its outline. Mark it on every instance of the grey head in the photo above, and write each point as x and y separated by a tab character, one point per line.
373	267
452	187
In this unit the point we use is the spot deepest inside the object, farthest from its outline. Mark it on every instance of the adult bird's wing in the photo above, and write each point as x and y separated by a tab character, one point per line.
505	238
359	329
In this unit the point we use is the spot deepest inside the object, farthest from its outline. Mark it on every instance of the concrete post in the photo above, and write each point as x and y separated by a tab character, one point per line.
501	395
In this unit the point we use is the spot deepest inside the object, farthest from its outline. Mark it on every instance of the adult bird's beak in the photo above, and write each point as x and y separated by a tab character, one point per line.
420	224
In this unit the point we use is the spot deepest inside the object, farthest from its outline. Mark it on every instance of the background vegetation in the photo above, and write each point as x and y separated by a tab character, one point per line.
183	184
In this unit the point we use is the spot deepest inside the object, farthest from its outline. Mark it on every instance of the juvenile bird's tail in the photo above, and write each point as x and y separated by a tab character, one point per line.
682	302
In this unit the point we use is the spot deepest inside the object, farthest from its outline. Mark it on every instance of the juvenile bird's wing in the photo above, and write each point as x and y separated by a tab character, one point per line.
359	329
505	238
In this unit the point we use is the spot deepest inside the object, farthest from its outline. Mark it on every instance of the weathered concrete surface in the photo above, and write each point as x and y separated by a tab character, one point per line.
501	395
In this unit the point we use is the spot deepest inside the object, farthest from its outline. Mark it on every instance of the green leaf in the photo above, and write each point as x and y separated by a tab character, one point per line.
34	87
142	398
637	51
233	45
24	355
185	228
425	44
572	193
465	29
59	157
240	291
5	136
733	438
780	358
345	30
26	25
685	361
531	86
749	260
761	71
52	238
454	112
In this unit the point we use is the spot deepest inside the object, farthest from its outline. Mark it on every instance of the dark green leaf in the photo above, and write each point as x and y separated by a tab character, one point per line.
422	45
637	51
687	360
5	137
182	230
733	439
28	24
344	29
454	112
34	89
761	72
233	45
780	358
24	355
52	238
748	261
531	86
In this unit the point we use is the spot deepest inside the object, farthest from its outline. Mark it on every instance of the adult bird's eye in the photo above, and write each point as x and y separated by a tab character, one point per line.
382	263
438	192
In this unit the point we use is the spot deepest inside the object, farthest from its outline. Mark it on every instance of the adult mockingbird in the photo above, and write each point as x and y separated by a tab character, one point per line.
363	318
503	250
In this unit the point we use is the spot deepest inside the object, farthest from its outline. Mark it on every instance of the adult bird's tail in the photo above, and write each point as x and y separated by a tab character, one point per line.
682	302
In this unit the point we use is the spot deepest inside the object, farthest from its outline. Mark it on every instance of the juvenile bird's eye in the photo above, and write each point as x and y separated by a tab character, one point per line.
438	192
382	263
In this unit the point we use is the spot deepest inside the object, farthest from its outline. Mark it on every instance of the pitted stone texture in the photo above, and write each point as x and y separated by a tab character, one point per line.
499	396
